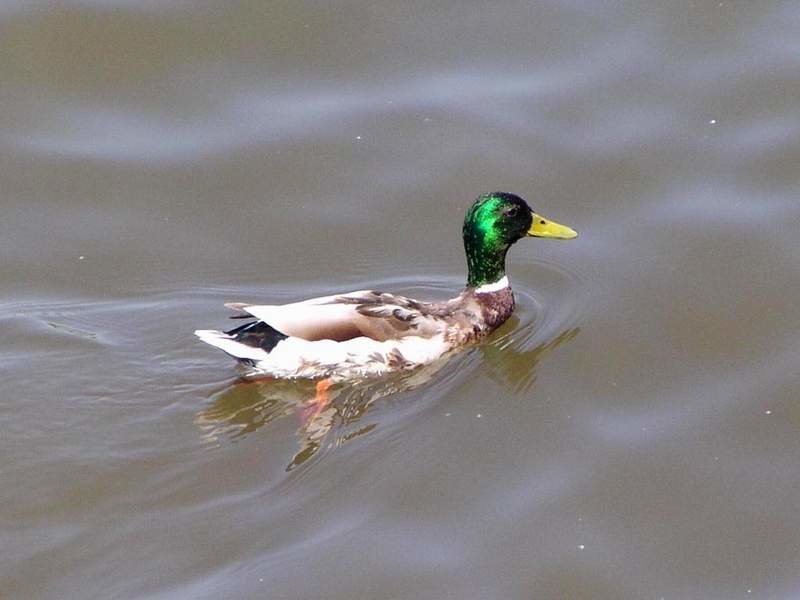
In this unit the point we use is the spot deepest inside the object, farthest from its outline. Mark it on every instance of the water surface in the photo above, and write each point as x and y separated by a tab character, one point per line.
631	433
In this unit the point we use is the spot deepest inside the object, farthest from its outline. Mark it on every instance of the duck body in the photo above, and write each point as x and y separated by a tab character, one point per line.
358	334
370	333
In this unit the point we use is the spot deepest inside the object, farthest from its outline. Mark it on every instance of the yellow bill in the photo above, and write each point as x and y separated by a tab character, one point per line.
541	227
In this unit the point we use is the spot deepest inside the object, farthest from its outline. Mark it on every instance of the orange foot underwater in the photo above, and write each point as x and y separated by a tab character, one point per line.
315	406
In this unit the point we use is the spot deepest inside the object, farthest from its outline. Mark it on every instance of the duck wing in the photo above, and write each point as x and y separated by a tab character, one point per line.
365	313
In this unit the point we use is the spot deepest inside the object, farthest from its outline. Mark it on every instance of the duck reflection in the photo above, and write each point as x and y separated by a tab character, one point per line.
330	417
512	357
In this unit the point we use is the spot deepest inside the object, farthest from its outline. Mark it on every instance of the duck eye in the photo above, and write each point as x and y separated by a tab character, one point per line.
511	212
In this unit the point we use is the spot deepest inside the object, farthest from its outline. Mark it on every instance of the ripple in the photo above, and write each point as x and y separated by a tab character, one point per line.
241	116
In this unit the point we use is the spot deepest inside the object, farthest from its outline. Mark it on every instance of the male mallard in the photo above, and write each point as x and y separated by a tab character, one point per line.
368	333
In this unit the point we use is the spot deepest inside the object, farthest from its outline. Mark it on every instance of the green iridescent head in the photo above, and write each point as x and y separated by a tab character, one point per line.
492	224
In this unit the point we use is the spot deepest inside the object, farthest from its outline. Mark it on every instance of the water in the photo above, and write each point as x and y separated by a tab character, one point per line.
631	433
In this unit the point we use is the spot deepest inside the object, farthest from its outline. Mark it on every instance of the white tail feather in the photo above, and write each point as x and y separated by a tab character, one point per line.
227	344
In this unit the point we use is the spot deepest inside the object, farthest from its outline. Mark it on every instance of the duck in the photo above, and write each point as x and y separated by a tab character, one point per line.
369	333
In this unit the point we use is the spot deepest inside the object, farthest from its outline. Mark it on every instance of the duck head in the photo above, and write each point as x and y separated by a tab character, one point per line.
492	224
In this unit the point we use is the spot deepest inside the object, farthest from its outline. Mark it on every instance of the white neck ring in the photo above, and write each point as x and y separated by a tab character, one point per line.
498	285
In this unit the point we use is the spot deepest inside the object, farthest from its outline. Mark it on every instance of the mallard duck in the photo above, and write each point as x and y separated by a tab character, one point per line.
369	333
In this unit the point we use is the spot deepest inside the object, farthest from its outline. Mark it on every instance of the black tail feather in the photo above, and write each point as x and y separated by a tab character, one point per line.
241	328
257	334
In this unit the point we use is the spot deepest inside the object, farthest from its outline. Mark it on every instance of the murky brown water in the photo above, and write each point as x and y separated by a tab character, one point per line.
634	432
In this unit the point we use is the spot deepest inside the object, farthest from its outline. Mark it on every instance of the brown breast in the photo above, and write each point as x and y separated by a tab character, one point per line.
496	307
